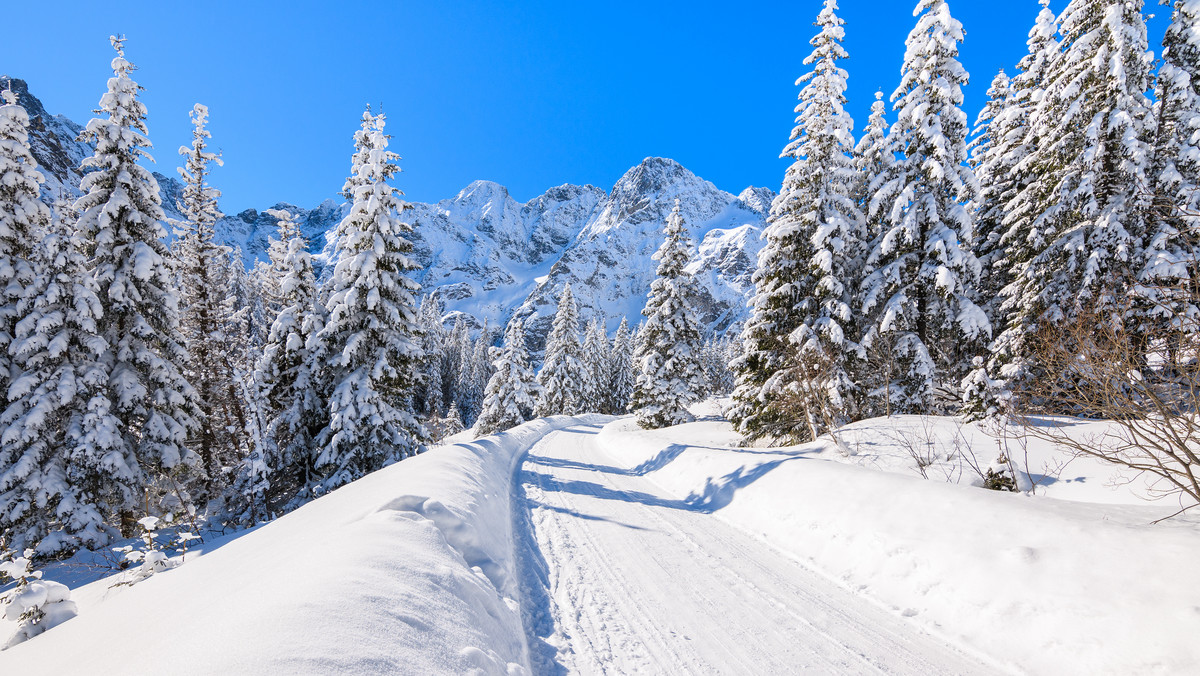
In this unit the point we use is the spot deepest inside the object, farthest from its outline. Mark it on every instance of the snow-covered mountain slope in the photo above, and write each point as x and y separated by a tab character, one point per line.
53	140
610	266
489	257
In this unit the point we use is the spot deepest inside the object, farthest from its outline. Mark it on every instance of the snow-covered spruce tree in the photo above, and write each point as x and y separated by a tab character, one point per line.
917	298
802	326
474	370
453	422
433	398
564	376
58	424
718	353
619	388
295	412
121	218
1012	194
1173	234
669	373
252	314
595	354
872	158
991	159
1086	202
480	374
24	219
207	320
370	346
511	392
454	363
36	605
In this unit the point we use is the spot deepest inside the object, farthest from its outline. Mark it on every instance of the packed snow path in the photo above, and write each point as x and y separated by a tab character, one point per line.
622	578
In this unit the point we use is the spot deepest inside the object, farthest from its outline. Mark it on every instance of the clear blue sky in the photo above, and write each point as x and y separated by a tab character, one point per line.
530	94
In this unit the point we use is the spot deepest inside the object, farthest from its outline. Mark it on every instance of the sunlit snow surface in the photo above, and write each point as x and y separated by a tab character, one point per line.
447	563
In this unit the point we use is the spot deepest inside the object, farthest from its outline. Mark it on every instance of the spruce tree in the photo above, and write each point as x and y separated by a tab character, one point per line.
1010	195
370	345
479	375
802	325
53	493
917	297
211	330
991	159
564	376
669	374
121	219
1085	229
295	412
24	220
511	391
1169	272
433	398
595	353
872	159
621	372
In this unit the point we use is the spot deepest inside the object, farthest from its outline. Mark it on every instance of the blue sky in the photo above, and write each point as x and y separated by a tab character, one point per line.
530	94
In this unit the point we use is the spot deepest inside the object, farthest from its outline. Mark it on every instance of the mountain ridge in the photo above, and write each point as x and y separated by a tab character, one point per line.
488	258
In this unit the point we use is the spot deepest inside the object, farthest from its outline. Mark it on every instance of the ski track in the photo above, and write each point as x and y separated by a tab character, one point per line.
623	579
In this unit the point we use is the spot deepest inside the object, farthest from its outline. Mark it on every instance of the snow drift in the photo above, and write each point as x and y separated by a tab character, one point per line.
409	570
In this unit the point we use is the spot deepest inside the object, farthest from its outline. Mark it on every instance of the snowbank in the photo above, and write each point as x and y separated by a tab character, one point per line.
408	570
1054	586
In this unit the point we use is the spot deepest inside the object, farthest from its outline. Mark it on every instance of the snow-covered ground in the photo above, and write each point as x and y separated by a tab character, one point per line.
408	570
619	550
638	579
1082	583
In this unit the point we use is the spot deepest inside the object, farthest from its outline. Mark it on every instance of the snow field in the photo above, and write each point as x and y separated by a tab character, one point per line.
1050	586
374	578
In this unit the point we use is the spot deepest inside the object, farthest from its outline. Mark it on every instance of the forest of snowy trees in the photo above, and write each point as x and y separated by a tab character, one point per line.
929	268
921	267
151	376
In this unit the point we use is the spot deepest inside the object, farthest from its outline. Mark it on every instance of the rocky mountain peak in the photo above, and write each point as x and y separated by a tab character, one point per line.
489	257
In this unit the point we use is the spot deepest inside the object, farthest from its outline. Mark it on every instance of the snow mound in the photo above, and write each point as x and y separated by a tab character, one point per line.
409	570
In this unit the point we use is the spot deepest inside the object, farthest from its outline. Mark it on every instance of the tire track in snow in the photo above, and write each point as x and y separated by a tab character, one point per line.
639	582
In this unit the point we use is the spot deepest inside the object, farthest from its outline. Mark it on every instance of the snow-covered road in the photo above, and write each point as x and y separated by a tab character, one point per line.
620	577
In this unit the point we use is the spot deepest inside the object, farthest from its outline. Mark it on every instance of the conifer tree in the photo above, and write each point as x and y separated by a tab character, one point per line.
917	296
211	331
1010	194
1090	160
1172	244
669	374
621	372
564	376
991	156
433	399
872	158
295	412
53	496
479	375
511	391
24	219
595	354
370	346
121	218
802	325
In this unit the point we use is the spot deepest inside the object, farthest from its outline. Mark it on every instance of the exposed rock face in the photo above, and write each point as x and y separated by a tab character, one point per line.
489	258
52	138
